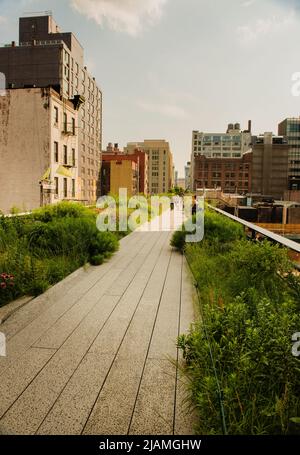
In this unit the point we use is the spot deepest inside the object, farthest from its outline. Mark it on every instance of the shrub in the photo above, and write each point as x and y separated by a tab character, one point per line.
219	232
98	259
43	248
62	210
249	301
258	375
103	242
178	240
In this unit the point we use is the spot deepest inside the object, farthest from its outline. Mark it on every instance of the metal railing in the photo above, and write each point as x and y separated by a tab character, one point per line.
257	229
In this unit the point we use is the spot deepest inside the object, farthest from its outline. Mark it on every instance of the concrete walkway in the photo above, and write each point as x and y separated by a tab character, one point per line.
93	355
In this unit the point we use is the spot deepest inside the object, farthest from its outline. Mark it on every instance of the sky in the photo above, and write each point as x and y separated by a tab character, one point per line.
168	67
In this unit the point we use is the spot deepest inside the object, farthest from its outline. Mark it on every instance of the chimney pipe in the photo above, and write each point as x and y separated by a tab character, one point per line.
250	126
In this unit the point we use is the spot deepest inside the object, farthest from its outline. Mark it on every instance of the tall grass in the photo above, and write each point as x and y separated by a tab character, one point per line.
41	249
249	301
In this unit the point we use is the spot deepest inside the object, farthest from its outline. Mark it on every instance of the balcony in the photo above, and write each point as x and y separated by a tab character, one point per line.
68	131
70	163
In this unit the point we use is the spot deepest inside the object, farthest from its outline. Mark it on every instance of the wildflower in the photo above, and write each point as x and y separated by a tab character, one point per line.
3	285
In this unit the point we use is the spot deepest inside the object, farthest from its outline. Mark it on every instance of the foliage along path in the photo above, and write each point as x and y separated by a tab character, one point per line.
93	355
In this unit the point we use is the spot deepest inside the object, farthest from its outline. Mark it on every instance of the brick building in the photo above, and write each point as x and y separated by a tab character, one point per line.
231	175
133	177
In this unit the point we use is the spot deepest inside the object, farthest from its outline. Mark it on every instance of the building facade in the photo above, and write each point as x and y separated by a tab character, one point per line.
187	175
181	183
230	175
270	168
232	144
113	153
47	57
290	128
160	164
119	171
38	149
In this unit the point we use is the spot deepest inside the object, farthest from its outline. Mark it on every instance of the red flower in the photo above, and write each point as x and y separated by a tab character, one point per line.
3	285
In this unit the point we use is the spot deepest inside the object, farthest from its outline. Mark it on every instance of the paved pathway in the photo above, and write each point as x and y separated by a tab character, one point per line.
93	355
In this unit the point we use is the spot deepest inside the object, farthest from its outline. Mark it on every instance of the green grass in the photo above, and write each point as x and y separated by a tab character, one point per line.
249	302
41	249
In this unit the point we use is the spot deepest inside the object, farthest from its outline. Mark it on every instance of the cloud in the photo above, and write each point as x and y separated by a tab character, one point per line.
129	16
167	110
249	34
248	3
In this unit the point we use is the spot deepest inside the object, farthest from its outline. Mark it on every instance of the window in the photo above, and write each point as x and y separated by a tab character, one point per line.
65	154
56	185
216	139
56	114
65	187
67	58
294	128
73	157
65	122
73	187
73	126
56	152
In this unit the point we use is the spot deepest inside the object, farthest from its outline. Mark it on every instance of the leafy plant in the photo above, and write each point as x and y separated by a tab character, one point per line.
249	304
43	248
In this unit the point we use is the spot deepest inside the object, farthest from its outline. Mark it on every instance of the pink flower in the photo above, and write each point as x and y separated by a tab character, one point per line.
3	285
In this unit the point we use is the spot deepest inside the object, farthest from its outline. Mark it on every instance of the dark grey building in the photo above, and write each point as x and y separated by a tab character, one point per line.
290	128
47	57
270	164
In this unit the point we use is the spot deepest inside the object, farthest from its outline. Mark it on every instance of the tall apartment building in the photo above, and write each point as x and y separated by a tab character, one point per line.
270	168
47	57
290	128
232	144
38	149
187	175
160	164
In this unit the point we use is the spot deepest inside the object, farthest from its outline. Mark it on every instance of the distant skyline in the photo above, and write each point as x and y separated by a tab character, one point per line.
167	67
